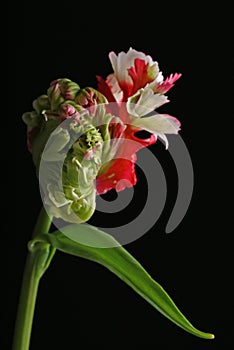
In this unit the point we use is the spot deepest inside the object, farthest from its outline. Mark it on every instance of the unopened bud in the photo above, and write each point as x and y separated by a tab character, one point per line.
61	90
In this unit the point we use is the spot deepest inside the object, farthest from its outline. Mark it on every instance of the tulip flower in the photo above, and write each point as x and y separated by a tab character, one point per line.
137	87
84	142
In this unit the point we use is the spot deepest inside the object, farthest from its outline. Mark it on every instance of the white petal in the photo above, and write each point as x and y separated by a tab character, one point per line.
113	59
150	101
159	78
164	138
122	67
158	124
144	102
133	54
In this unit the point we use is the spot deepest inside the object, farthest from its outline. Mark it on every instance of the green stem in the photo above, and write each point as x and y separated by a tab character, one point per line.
43	223
38	259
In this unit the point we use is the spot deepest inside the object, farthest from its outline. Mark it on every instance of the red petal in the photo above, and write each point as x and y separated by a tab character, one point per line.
130	148
140	77
168	83
139	74
105	89
127	89
121	173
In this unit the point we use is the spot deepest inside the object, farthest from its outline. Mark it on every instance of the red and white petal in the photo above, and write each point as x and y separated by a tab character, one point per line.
119	173
113	84
120	64
142	74
133	70
124	61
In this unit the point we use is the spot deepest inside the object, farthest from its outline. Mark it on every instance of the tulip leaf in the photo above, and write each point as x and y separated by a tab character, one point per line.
119	261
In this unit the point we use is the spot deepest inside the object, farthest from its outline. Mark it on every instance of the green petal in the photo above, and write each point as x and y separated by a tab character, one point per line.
41	104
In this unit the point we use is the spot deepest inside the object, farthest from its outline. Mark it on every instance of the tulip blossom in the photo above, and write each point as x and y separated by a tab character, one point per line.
137	87
107	121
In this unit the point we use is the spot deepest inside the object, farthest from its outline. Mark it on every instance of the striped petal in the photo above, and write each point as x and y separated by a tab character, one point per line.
112	82
133	70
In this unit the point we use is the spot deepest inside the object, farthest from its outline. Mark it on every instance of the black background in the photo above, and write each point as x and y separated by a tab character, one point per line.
80	303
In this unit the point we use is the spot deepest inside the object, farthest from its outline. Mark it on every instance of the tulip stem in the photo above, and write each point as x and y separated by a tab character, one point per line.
38	259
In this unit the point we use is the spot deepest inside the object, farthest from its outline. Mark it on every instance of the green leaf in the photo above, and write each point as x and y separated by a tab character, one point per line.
121	263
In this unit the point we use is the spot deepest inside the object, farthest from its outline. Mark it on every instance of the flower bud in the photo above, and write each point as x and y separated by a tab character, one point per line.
41	103
88	97
67	110
61	90
79	175
63	116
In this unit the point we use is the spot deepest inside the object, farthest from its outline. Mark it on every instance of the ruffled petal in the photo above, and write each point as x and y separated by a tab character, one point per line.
141	74
113	84
168	83
113	60
125	60
144	102
158	124
133	70
121	174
